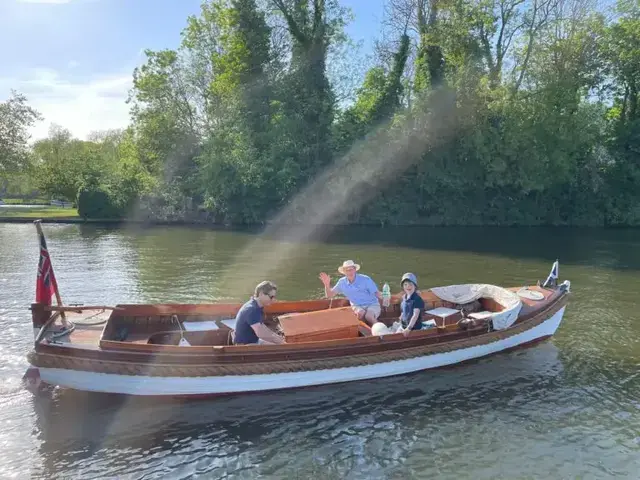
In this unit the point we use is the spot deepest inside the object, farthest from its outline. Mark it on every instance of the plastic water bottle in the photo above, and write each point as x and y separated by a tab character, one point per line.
386	295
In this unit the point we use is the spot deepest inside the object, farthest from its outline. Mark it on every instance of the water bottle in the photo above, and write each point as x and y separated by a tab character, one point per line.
386	295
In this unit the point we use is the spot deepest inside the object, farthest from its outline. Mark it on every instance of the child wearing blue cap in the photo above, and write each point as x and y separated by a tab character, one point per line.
412	304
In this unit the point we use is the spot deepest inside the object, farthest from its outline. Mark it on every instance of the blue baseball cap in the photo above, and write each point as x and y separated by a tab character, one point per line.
411	277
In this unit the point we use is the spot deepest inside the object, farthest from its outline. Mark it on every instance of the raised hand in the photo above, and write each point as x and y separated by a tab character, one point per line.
325	279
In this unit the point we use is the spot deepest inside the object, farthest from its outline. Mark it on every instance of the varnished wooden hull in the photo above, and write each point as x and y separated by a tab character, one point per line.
160	370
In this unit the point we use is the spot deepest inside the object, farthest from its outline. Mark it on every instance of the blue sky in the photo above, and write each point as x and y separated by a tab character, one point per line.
74	58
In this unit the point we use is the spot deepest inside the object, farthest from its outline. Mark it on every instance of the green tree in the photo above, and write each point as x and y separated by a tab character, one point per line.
16	117
64	163
305	95
621	50
377	100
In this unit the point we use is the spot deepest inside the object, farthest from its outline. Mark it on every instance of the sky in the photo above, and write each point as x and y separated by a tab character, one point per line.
74	59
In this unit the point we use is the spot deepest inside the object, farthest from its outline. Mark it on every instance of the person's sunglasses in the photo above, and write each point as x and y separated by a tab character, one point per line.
271	296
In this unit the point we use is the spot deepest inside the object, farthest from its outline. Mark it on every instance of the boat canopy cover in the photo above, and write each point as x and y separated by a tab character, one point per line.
471	292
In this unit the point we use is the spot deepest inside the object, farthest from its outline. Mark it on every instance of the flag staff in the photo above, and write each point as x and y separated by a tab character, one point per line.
43	243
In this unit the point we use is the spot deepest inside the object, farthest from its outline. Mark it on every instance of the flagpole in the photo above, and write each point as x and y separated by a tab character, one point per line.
55	282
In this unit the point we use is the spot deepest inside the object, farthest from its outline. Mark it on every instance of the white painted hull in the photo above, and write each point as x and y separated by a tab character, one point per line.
146	385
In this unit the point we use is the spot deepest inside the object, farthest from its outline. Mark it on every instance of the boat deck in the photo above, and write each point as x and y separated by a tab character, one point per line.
528	305
88	326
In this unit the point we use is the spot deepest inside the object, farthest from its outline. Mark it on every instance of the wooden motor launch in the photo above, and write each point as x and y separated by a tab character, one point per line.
187	349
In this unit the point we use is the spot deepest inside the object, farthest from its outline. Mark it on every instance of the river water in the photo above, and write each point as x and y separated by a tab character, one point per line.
567	408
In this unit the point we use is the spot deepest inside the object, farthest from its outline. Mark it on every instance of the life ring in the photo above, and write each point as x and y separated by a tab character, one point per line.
524	292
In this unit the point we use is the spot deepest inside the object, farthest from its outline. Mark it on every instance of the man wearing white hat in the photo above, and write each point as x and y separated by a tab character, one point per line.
360	290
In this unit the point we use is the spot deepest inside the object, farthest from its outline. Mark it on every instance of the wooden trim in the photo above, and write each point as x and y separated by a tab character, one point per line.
79	308
277	308
164	309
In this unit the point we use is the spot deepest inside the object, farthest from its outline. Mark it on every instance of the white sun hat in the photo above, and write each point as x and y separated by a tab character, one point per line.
347	264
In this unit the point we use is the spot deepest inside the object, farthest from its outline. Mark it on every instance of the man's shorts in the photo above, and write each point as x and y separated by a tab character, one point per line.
373	308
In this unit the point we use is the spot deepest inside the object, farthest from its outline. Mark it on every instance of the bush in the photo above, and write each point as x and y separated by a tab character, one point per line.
98	203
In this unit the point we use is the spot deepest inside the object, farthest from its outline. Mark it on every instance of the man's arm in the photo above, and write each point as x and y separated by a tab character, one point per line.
265	333
328	291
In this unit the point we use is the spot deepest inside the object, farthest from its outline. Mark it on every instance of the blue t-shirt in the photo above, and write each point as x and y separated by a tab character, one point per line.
407	306
361	293
249	314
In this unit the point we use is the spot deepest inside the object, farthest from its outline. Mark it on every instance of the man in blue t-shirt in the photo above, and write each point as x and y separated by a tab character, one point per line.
360	290
250	327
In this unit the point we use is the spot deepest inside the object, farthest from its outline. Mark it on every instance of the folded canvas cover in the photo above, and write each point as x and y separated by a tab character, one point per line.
470	292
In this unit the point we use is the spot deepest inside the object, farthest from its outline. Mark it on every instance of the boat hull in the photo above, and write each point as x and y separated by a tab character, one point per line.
143	385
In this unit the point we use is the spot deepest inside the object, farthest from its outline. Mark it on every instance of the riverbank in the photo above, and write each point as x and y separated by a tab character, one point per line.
76	219
52	214
28	213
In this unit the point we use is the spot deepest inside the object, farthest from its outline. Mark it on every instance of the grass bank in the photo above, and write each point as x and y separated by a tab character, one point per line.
25	201
44	212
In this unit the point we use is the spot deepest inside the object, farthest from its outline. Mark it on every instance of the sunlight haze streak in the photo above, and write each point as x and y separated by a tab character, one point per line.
373	162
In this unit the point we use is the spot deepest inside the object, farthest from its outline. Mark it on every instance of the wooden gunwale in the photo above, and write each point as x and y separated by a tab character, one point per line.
78	308
271	359
277	308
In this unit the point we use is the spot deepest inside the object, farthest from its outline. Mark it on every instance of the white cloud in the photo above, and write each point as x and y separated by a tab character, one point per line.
82	106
